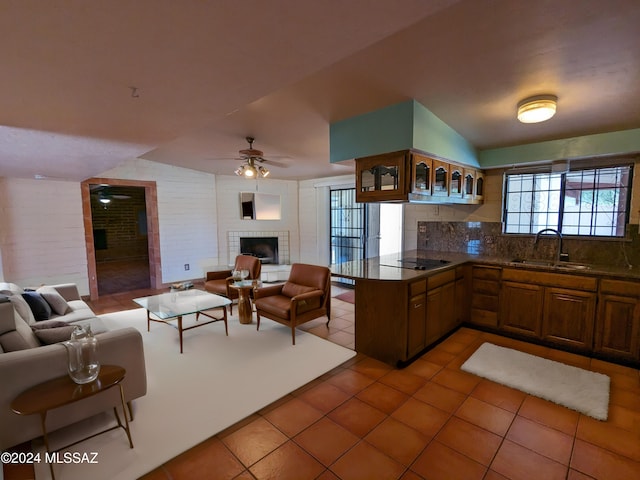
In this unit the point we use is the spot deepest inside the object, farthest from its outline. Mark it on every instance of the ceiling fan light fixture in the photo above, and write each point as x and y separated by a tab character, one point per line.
263	171
104	200
537	109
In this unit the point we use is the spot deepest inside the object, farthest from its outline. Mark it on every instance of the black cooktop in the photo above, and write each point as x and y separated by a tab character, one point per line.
416	263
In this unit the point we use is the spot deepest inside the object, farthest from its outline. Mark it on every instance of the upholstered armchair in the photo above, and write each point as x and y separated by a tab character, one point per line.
218	282
306	295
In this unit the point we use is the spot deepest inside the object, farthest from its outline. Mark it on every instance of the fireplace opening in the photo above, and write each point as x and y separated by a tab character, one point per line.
265	248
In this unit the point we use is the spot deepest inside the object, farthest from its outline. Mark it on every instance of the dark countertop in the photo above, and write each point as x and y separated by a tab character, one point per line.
388	267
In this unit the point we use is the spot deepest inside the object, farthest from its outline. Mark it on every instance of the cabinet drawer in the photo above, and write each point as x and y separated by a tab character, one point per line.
490	287
484	302
620	287
489	273
416	288
442	278
561	280
483	317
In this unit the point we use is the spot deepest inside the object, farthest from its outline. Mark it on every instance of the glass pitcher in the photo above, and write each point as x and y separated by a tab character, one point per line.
82	352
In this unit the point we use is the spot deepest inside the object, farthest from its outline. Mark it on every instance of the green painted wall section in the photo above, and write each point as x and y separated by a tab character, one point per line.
386	130
398	127
612	143
432	135
410	125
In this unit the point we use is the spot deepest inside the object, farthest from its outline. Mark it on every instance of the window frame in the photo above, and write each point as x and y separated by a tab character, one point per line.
548	170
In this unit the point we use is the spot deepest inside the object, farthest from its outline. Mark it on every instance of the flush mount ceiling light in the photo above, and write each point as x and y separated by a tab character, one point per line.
537	109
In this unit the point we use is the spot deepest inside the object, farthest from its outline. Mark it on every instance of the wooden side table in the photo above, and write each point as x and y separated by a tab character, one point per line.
63	391
245	309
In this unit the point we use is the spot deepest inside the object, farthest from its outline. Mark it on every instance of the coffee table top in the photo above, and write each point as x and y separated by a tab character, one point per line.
176	304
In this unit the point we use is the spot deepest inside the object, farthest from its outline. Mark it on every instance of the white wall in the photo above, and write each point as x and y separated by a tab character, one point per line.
42	233
228	188
314	198
187	215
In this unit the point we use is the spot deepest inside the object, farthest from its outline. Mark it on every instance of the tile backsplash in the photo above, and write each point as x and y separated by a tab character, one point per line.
486	238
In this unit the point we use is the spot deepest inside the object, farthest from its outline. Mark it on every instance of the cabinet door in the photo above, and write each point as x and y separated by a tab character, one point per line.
469	183
416	328
521	308
568	317
461	306
448	308
434	315
456	181
618	326
421	173
382	177
478	193
440	184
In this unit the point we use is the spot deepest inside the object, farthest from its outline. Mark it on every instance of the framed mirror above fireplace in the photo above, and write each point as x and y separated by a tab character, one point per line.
259	206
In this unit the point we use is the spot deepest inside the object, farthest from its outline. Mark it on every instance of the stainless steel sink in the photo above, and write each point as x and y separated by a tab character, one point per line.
545	263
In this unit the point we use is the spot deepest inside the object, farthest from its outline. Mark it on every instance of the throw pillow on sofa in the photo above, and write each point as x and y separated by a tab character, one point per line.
52	331
39	306
56	301
22	307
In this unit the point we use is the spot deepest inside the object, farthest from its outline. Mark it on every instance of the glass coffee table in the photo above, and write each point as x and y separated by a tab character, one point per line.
172	306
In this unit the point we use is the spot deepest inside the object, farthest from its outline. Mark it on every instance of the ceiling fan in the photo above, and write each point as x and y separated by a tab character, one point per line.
105	194
253	159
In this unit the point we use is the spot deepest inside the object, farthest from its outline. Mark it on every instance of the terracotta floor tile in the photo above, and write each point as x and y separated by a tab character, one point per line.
254	441
624	418
462	382
518	463
293	416
287	462
491	475
409	475
326	440
365	462
397	440
451	345
609	436
620	380
371	368
423	368
541	439
485	415
350	381
384	398
327	475
209	459
357	416
470	440
439	462
439	357
342	338
625	398
613	368
441	397
575	475
549	414
602	464
402	380
324	397
421	416
499	395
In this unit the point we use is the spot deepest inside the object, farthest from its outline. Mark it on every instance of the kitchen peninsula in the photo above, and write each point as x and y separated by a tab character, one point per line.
406	302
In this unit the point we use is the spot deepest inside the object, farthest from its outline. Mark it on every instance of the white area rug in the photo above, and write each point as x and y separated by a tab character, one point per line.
216	382
575	388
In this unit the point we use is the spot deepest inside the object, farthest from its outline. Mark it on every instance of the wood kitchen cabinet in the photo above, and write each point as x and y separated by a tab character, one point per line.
440	305
521	308
416	330
557	308
414	176
485	294
383	178
617	328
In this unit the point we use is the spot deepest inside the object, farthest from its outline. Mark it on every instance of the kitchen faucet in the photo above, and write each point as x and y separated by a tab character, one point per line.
559	248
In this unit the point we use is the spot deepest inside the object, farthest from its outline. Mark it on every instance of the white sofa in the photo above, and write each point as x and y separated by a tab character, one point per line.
25	361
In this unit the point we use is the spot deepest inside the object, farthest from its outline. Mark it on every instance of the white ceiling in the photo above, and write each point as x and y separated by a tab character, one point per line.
86	86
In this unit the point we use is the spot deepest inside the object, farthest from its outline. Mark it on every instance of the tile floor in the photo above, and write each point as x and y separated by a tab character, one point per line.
430	420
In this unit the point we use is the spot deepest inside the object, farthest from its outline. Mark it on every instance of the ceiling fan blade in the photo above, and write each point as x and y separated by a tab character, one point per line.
268	161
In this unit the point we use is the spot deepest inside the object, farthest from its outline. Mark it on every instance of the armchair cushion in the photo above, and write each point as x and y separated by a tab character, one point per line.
292	289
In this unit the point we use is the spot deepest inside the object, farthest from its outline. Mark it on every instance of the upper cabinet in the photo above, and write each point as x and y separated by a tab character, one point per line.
414	176
383	178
